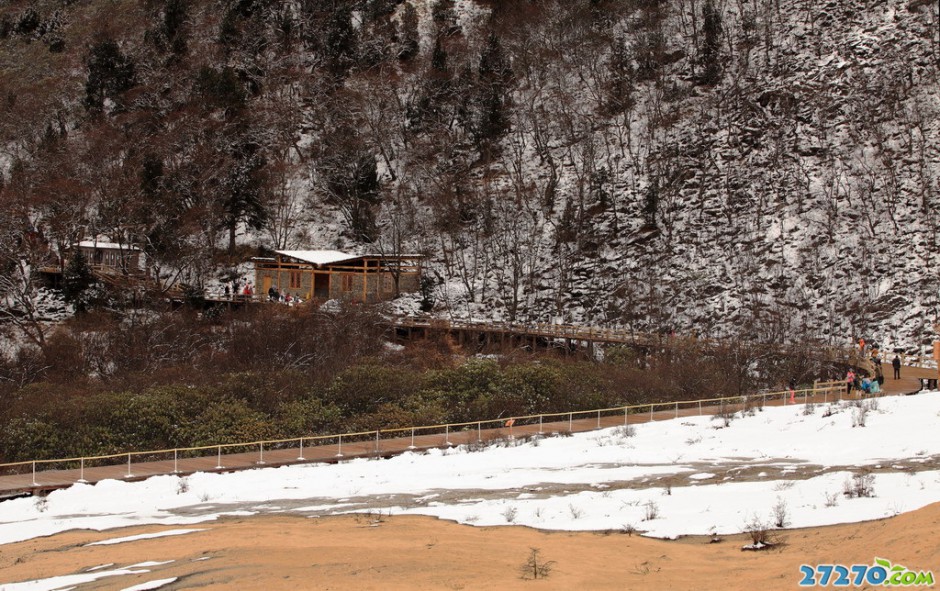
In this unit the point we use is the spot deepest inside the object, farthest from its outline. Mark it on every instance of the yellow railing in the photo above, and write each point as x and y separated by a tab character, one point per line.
369	442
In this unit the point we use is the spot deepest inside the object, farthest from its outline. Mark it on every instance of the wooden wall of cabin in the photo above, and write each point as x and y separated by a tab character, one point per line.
339	285
281	280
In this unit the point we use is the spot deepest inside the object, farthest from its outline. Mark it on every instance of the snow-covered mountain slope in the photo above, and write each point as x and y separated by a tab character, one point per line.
795	195
766	167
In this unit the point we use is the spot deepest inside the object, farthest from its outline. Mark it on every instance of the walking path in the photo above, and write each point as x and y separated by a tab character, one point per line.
336	449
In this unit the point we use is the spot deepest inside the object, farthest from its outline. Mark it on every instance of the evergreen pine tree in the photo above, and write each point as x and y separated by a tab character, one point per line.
77	278
710	53
341	40
495	79
174	17
110	74
244	193
408	33
444	17
619	88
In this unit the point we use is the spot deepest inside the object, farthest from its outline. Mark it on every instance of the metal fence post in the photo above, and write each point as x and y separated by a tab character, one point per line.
261	456
218	463
447	435
540	424
598	419
129	466
626	413
301	457
677	410
699	408
412	446
570	419
479	432
339	451
81	472
176	467
34	474
651	413
376	441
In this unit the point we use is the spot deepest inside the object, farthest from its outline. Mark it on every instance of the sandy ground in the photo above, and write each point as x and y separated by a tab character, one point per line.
410	552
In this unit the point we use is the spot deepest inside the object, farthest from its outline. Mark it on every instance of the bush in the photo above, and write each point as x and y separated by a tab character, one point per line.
860	485
35	438
536	567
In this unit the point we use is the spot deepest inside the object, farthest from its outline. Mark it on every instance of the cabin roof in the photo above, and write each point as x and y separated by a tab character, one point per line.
106	245
317	257
329	257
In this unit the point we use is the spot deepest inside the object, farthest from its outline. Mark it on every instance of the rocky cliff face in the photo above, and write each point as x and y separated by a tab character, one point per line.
795	195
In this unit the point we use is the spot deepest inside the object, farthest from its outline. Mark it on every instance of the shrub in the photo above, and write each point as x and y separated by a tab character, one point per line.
860	485
650	510
536	567
780	513
760	533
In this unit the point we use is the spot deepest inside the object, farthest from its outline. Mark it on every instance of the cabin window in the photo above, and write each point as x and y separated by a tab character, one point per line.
347	282
295	279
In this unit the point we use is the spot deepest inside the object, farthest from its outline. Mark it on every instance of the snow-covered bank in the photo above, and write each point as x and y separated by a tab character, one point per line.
693	475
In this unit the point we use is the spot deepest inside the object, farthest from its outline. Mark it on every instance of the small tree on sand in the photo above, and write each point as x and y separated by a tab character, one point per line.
536	567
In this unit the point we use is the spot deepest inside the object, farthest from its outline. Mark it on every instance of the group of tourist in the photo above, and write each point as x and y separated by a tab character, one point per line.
237	291
275	296
870	384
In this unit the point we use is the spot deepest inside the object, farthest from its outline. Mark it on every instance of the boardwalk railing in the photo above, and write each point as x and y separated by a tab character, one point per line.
230	456
594	334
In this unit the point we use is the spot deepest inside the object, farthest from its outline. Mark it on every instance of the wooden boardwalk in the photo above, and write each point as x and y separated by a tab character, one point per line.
335	449
533	335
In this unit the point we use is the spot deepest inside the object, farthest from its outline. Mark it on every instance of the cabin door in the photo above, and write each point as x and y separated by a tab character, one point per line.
321	286
265	284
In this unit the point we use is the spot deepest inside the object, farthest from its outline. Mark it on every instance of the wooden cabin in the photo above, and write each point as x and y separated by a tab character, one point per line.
110	257
333	275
